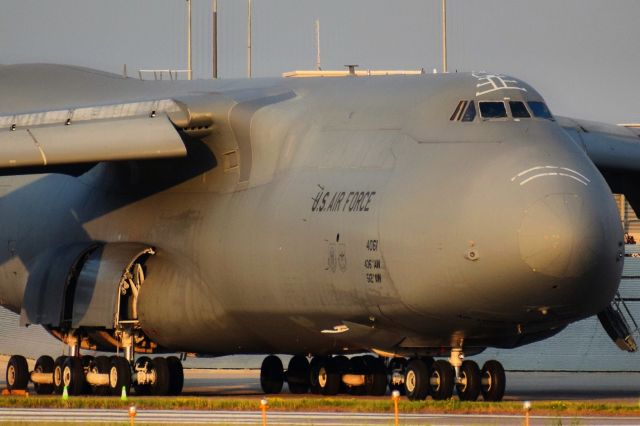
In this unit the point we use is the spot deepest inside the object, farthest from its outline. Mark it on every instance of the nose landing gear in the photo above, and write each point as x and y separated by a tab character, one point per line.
468	381
493	381
423	377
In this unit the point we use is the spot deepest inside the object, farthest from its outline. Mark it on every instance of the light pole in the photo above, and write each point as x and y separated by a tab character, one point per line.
214	41
318	67
189	59
249	23
444	35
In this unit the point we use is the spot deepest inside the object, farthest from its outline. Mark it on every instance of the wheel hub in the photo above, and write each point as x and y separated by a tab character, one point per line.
57	376
486	381
113	377
435	380
411	381
66	376
322	377
11	375
463	381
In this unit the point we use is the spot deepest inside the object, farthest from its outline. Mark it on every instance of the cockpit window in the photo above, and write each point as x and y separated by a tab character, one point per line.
456	114
540	110
470	113
492	110
518	110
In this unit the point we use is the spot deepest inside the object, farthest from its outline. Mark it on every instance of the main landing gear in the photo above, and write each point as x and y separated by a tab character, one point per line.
101	375
417	377
86	375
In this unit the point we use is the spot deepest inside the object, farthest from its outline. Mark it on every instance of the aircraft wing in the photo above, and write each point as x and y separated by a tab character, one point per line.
125	131
614	149
609	146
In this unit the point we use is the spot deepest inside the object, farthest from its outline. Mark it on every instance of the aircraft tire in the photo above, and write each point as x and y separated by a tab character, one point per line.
493	381
58	365
176	376
142	389
441	380
298	375
416	380
469	388
328	377
397	364
100	364
271	375
17	377
163	379
87	361
375	382
344	367
357	366
428	361
314	367
44	364
73	376
119	375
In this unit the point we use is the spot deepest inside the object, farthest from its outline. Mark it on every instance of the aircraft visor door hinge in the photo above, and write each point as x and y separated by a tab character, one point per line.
615	320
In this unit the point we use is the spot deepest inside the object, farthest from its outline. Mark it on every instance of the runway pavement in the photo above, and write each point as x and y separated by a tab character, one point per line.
295	418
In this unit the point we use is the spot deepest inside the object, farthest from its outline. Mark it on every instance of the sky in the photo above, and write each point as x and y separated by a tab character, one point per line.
582	55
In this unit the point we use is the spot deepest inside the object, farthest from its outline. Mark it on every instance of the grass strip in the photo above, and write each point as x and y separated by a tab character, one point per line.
341	404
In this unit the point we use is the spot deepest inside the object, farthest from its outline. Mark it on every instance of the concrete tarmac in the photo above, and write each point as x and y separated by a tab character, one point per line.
83	416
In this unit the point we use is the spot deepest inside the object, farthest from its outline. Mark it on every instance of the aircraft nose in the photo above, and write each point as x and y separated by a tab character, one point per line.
570	238
561	236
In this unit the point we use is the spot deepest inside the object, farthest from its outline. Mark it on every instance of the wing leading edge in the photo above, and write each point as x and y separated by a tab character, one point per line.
615	150
129	131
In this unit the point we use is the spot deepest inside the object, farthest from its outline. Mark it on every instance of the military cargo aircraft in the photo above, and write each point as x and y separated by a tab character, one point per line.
407	216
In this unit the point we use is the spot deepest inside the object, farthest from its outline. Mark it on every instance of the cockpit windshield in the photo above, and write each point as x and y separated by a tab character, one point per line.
492	109
518	110
466	111
540	110
470	113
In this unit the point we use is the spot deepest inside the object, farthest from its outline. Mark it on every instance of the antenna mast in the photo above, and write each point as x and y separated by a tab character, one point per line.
444	36
214	41
318	45
189	62
249	23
